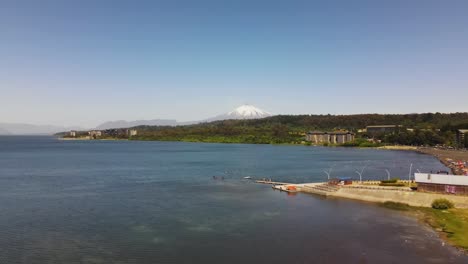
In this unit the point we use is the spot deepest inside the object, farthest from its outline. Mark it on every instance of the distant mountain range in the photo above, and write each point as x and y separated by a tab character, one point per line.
242	112
28	129
123	123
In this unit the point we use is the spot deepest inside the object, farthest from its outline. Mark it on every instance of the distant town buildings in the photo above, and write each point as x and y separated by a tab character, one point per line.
94	134
107	133
319	137
131	132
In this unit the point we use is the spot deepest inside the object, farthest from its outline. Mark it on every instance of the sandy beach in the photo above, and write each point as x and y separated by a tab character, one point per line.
449	157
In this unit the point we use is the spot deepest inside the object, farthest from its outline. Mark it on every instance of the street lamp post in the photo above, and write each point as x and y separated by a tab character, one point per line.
409	176
388	174
360	176
360	173
328	172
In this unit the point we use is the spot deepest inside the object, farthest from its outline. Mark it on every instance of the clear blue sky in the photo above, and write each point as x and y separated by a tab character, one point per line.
85	62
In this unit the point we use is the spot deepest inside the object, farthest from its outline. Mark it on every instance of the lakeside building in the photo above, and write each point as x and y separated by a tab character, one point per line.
423	129
132	132
112	132
72	133
442	183
382	129
319	137
94	134
120	132
461	138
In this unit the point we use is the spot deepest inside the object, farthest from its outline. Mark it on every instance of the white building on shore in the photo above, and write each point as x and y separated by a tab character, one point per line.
442	183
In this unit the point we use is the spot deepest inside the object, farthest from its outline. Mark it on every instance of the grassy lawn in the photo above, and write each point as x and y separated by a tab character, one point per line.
452	224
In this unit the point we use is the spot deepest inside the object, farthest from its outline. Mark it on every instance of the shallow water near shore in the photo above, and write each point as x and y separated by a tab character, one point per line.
157	202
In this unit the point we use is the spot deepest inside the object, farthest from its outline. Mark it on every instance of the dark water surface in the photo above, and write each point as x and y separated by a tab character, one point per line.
157	202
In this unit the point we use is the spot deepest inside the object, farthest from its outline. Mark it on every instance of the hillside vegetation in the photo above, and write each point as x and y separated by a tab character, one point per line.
429	128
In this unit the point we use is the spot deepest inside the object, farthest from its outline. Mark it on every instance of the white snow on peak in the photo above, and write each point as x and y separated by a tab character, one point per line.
248	111
242	112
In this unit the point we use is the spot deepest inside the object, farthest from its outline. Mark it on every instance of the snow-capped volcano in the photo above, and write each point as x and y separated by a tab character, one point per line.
247	112
242	112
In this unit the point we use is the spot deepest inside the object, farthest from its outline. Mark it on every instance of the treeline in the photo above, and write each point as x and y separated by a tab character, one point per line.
428	129
228	131
355	122
420	137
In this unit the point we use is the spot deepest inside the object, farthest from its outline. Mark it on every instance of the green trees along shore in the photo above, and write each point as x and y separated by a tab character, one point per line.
416	129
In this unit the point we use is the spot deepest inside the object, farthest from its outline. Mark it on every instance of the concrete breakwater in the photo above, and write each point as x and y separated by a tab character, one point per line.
379	194
412	198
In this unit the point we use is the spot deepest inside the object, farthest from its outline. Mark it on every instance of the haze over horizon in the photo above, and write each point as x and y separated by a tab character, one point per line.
82	63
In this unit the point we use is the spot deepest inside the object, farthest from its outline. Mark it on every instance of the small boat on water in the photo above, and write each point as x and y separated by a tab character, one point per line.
247	177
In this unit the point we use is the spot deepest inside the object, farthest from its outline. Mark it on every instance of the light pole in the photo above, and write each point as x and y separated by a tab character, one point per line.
388	174
360	173
360	176
328	172
409	176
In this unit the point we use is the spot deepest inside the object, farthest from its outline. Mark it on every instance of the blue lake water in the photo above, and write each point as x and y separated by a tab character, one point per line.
157	202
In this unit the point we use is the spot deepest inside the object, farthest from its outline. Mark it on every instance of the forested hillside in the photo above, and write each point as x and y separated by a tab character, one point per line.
428	128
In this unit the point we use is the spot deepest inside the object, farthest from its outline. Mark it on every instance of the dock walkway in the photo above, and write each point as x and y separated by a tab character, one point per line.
272	182
371	193
320	188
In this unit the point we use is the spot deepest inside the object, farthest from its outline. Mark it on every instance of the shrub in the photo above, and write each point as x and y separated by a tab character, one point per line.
350	144
396	206
394	180
369	145
396	184
442	204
